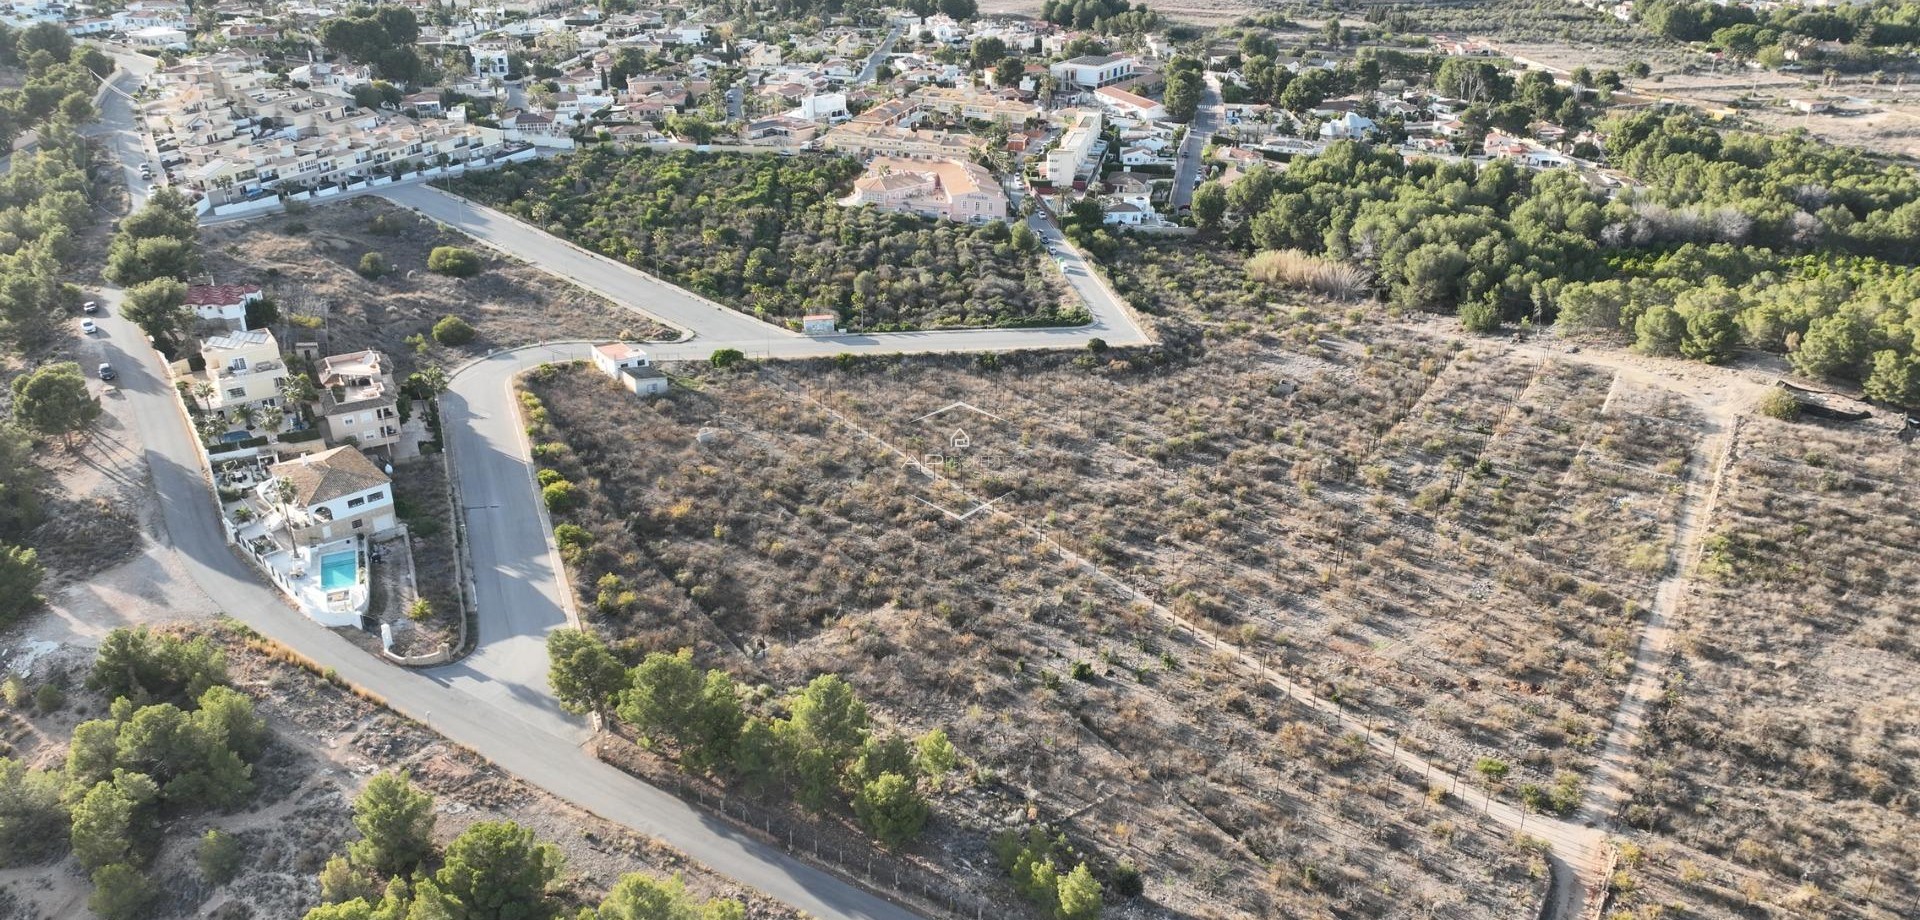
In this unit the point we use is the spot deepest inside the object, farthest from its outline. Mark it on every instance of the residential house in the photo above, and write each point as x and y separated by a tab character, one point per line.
975	106
781	130
359	403
864	140
827	107
951	189
1120	213
336	493
223	305
631	368
244	369
491	59
1348	126
1129	105
1065	160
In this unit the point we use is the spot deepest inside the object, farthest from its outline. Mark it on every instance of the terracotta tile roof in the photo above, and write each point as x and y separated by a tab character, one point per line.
329	474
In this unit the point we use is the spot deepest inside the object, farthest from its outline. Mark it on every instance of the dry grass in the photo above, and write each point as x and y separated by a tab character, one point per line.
1456	545
1295	269
1783	766
307	264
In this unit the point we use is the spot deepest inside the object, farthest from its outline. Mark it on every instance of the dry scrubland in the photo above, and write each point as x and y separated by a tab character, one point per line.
324	743
1782	769
307	261
1456	543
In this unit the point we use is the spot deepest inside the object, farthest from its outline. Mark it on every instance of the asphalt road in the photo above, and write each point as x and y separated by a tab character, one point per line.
496	701
516	575
879	55
1206	120
514	725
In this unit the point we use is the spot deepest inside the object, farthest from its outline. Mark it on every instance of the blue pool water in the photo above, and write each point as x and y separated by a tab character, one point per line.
337	570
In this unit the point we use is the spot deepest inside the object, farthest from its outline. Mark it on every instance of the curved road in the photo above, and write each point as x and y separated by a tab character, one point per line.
516	572
496	702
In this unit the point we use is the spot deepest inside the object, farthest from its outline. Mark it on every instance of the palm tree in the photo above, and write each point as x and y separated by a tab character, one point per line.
247	415
203	391
282	492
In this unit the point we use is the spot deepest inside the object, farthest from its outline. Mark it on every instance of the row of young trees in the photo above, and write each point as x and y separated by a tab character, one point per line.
45	201
176	740
491	871
1757	219
818	744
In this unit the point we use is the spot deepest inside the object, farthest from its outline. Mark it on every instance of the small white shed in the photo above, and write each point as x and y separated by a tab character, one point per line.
630	367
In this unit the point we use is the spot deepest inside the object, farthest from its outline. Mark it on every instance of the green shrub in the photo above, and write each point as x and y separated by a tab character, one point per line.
560	496
1780	404
724	358
49	698
453	261
219	857
374	266
452	331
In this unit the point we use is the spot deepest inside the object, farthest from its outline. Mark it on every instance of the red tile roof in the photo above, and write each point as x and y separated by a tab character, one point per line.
218	295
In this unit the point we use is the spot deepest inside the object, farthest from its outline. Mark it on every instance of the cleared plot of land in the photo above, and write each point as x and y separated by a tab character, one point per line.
1457	543
791	532
1781	773
307	263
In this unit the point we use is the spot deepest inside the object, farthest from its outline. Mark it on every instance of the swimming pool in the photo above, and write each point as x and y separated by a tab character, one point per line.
338	570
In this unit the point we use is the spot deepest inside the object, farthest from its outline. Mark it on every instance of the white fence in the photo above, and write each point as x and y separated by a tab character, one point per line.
274	202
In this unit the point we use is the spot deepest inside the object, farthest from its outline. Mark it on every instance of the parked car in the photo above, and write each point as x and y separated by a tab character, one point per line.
107	372
89	326
91	306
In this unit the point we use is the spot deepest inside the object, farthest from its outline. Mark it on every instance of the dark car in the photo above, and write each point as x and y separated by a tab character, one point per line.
107	372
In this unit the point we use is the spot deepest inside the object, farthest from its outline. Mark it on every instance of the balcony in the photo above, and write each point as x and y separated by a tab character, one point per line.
256	369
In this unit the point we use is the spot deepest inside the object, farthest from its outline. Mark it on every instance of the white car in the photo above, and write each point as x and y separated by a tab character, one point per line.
89	326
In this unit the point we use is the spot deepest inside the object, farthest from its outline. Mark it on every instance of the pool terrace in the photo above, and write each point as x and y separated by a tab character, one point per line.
327	581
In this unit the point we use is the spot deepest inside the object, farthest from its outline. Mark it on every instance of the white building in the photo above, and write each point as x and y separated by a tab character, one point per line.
491	59
1348	126
1065	161
336	493
631	368
1091	71
1129	105
223	304
827	107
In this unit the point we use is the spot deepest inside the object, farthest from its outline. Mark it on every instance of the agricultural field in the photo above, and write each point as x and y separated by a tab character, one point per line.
1781	770
1456	541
